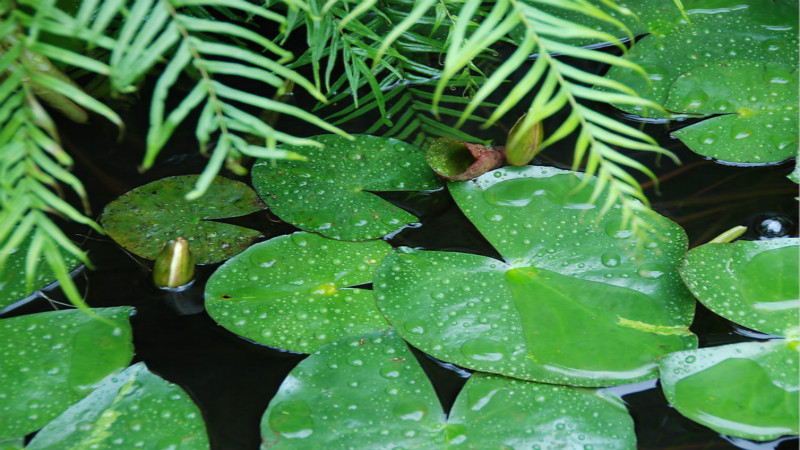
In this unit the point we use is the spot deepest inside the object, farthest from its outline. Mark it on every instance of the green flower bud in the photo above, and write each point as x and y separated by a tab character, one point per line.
174	266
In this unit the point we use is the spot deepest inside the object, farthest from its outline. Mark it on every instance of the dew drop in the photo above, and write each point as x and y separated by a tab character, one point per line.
484	349
610	259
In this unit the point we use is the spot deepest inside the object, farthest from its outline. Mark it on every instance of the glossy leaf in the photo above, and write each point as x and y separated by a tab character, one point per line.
329	193
360	392
12	444
144	219
758	106
494	412
754	30
296	292
748	390
541	217
13	285
131	409
52	359
369	392
570	304
753	283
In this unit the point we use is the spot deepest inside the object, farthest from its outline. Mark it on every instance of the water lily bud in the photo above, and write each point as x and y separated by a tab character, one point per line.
456	160
523	142
174	266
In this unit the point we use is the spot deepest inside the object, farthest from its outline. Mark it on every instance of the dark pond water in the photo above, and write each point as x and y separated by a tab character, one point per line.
232	379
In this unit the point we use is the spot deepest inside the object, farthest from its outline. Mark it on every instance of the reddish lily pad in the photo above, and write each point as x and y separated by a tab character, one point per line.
144	219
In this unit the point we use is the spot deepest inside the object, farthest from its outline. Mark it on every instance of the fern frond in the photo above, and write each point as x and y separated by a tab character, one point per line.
166	31
559	85
393	93
33	165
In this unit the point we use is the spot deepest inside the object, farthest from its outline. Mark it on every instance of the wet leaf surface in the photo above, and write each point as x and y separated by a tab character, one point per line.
329	193
296	292
51	360
12	444
758	106
753	30
753	283
494	412
144	219
369	392
362	393
570	304
131	409
13	286
748	390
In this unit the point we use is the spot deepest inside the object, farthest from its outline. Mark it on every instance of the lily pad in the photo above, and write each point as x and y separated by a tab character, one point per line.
361	393
753	283
752	30
748	390
759	117
14	287
296	292
131	409
12	444
569	304
329	193
494	412
369	392
144	219
51	360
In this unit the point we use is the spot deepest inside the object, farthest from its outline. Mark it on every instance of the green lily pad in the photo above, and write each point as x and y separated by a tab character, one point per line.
329	193
753	30
295	292
748	390
569	304
14	287
759	113
360	392
144	219
753	283
369	392
51	360
131	409
494	412
12	444
537	216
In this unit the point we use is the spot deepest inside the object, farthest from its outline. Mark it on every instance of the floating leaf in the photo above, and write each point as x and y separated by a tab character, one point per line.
296	292
12	444
132	409
753	30
570	304
753	283
369	392
51	360
329	193
759	110
14	287
494	412
144	219
748	390
360	392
